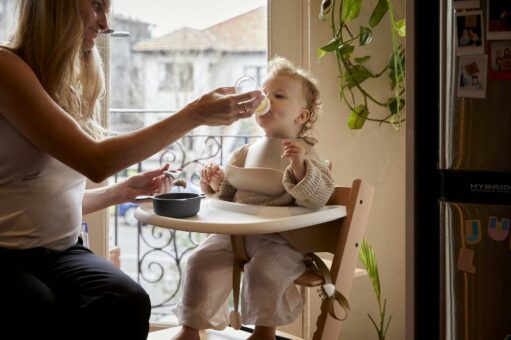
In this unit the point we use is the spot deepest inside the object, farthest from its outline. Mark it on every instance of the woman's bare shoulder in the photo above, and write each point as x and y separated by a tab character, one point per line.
7	54
11	63
16	75
19	85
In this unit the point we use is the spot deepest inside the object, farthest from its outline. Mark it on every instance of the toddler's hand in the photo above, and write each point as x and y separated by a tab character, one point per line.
296	155
212	175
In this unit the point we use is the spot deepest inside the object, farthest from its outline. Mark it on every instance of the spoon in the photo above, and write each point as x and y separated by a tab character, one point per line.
172	173
114	33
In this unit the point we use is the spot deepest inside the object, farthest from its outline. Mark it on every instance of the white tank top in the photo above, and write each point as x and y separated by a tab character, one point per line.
40	197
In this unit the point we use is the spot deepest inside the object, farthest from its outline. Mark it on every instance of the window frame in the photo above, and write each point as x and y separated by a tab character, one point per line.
288	36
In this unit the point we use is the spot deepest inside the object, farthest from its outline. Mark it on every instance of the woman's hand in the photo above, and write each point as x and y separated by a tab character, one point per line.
146	183
296	155
212	175
223	106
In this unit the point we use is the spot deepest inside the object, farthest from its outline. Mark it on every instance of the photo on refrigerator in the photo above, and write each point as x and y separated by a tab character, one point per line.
500	59
470	33
472	76
499	19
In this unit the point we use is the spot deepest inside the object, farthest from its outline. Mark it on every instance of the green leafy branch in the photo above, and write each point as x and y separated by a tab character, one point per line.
353	70
368	259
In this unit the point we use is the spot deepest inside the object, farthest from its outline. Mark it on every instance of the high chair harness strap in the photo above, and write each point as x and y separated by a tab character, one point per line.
328	293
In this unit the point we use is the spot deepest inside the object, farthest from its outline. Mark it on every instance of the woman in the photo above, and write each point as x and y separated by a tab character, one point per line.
51	87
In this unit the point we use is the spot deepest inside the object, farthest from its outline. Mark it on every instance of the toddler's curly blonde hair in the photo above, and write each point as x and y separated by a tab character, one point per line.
282	66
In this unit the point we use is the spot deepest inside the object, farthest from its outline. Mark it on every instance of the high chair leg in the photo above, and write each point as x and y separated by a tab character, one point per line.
240	258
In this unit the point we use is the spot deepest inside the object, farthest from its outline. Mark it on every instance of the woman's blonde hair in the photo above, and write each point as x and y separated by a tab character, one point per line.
49	38
282	66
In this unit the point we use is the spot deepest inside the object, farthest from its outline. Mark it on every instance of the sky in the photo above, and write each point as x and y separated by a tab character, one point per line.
169	15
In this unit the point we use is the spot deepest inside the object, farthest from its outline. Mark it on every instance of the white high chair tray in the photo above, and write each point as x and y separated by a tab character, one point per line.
223	217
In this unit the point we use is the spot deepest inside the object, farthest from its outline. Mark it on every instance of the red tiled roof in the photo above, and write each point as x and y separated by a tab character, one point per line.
244	33
183	39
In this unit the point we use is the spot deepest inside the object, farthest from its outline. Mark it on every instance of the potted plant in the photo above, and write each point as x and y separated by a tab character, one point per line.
368	259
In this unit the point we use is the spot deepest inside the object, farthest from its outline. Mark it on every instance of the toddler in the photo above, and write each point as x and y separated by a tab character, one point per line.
269	295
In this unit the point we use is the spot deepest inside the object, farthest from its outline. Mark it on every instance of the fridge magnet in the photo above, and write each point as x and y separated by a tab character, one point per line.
472	231
500	59
460	4
469	33
472	76
498	230
466	261
499	19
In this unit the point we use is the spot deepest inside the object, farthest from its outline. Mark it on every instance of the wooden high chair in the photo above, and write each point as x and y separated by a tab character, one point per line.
341	238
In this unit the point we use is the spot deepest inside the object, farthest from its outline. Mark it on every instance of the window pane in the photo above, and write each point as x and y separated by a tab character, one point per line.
166	62
7	18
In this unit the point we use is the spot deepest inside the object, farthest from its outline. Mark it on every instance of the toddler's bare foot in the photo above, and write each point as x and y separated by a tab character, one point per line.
187	333
263	333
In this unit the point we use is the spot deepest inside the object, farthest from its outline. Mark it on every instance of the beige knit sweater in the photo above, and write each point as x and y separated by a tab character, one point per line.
313	191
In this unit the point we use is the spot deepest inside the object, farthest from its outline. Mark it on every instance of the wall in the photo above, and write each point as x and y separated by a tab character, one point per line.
377	155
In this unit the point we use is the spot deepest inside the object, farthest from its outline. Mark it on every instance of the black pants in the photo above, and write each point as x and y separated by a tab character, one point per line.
68	295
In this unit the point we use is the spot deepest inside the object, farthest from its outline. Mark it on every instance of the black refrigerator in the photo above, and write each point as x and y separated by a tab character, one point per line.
462	150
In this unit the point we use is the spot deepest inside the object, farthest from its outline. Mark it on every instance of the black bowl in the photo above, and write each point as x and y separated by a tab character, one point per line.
177	205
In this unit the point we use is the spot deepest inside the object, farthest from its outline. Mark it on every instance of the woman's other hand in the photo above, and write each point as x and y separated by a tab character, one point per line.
145	183
224	107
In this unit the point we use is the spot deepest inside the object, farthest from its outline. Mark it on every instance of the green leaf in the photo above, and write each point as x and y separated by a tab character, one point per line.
362	60
346	50
368	259
358	117
393	106
350	9
321	53
356	75
366	35
387	327
378	13
373	322
326	7
331	46
401	27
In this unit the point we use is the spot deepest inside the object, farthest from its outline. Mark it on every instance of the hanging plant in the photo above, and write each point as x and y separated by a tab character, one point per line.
355	71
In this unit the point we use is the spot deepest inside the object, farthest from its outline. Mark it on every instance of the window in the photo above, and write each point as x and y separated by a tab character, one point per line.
257	72
7	18
177	77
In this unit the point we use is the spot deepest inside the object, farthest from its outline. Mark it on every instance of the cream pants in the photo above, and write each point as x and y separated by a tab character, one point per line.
269	296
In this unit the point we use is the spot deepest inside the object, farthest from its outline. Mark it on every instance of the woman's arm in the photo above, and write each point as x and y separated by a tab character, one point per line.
145	183
29	108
